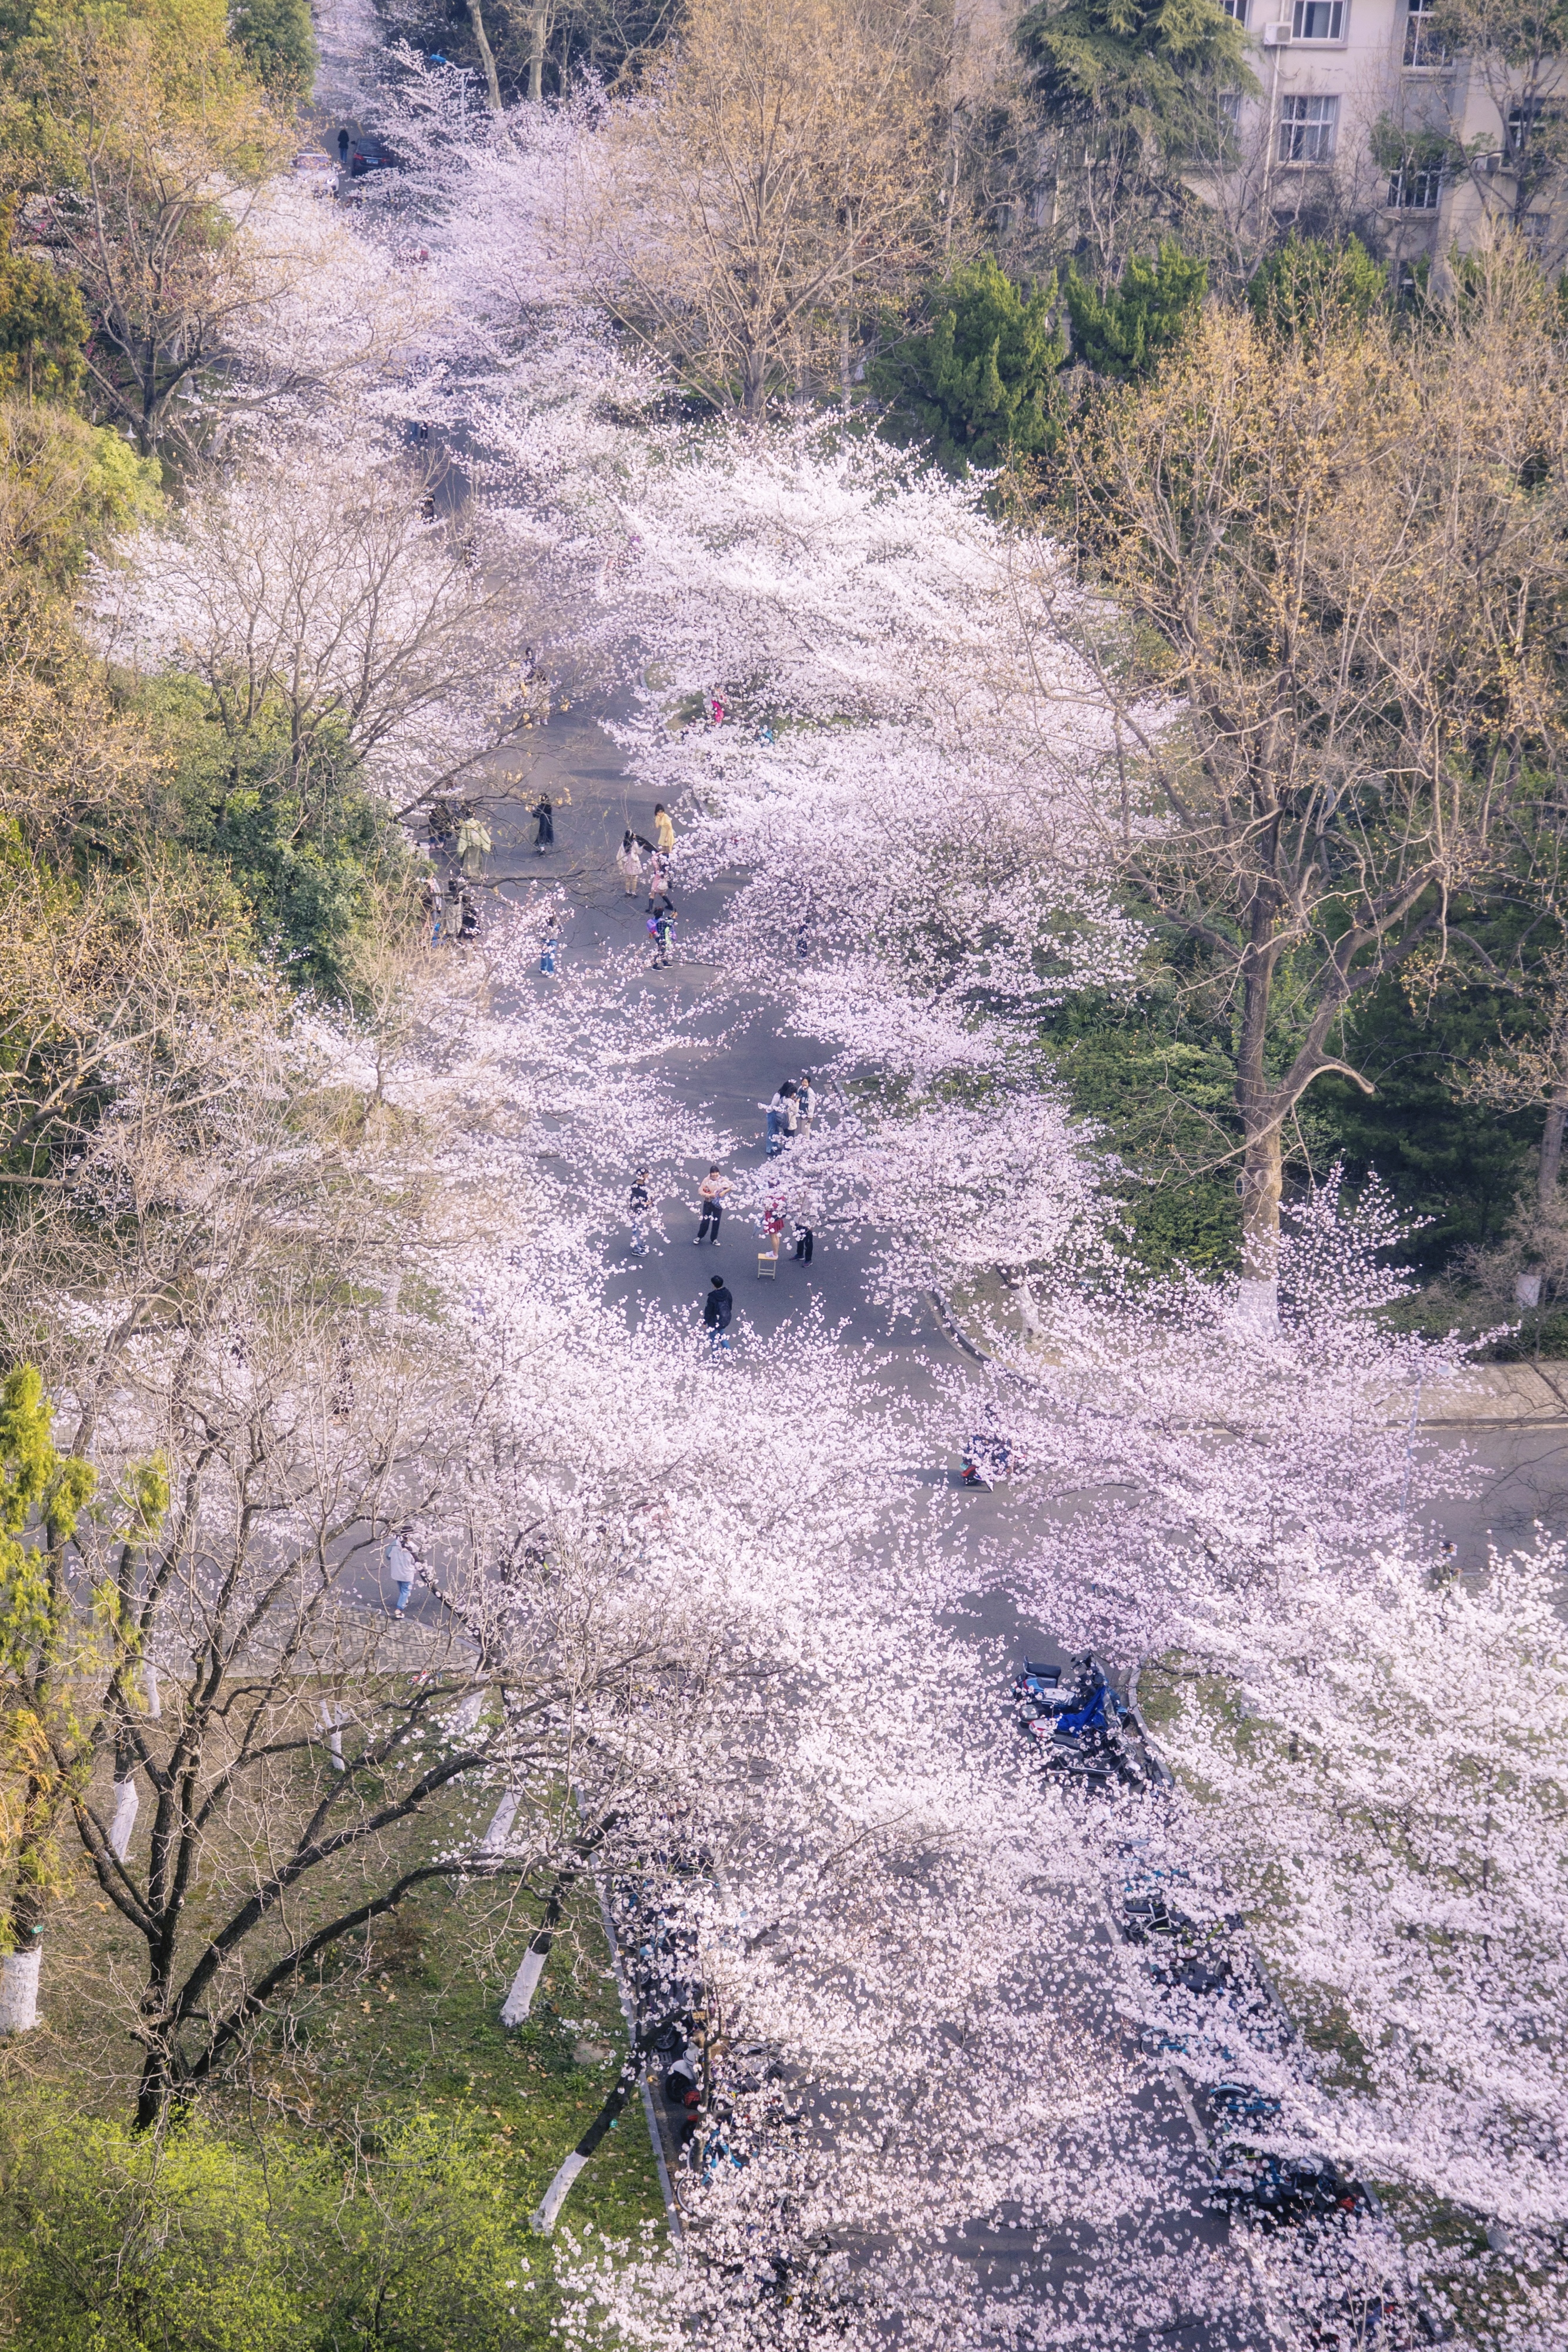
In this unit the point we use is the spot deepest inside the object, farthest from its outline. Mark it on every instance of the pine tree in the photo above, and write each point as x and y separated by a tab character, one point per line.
980	387
1125	333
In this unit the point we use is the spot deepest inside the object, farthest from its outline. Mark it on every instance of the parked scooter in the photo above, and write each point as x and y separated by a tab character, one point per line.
989	1461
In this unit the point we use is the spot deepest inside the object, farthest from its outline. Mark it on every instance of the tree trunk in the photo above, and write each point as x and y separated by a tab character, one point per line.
153	2091
466	1714
754	381
555	2195
19	1989
605	2121
19	1982
1550	1164
127	1804
538	25
1028	1313
1262	1181
501	1822
487	56
1261	1167
525	1984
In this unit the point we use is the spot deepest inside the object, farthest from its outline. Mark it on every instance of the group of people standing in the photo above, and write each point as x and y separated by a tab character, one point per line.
661	909
451	914
793	1108
791	1112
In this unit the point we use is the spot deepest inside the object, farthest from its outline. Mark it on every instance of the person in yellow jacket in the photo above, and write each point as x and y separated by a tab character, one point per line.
663	831
473	846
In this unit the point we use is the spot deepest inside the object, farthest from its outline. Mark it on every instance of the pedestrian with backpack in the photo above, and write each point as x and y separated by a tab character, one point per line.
662	926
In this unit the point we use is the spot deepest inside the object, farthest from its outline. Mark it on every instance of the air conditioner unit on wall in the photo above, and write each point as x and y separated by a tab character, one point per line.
1277	36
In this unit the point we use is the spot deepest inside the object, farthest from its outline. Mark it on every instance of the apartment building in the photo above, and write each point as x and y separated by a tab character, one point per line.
1362	116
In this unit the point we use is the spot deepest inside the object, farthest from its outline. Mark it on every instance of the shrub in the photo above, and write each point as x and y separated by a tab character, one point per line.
1310	284
1126	332
980	386
278	39
188	2240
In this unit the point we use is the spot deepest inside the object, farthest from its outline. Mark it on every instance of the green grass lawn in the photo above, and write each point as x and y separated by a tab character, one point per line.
406	2020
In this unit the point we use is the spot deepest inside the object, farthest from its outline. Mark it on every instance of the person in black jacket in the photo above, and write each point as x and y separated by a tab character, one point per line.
639	1207
717	1309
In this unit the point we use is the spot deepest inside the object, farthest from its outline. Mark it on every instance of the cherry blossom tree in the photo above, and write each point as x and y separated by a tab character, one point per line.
323	585
709	1630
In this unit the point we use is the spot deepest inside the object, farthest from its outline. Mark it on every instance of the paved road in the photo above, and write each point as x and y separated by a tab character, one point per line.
1080	2263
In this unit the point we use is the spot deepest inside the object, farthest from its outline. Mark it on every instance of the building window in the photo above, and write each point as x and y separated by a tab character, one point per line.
1307	127
1230	109
1516	129
1416	187
1532	228
1237	8
1421	46
1318	20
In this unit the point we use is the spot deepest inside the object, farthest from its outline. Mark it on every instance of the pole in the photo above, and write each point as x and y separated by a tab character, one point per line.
1409	1460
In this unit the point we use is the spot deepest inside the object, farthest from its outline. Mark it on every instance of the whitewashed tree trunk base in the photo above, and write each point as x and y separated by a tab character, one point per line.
20	1991
332	1718
501	1820
555	2195
524	1985
127	1804
464	1716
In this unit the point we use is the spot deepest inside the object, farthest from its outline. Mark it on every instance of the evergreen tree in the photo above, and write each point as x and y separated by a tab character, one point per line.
1137	66
979	388
43	323
278	39
1311	284
1125	333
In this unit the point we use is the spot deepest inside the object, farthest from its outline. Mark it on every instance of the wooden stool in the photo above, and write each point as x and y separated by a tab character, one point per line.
767	1267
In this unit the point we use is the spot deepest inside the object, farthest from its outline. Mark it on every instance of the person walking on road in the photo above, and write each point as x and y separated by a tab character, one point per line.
710	1192
717	1309
401	1565
663	928
803	1236
639	1207
663	831
808	1098
544	825
628	859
